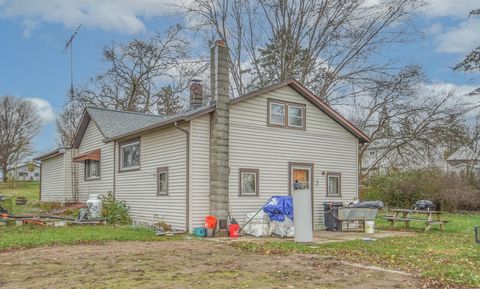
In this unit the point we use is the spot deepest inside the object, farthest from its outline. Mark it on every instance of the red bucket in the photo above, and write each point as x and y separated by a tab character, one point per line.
210	222
234	230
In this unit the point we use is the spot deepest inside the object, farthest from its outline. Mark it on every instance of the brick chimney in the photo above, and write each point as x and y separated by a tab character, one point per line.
219	130
196	94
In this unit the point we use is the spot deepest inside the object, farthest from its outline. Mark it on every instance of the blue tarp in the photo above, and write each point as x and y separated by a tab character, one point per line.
278	207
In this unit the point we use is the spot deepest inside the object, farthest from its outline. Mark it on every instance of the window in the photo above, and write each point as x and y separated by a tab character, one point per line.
249	182
22	174
333	184
162	181
277	113
295	116
37	174
301	178
92	170
130	155
286	114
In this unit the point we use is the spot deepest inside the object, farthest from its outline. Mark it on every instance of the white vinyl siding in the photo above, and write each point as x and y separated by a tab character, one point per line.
92	140
53	180
57	177
199	170
161	148
254	144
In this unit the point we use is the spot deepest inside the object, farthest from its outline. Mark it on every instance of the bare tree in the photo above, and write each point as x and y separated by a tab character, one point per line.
405	118
67	123
137	72
18	124
338	40
471	63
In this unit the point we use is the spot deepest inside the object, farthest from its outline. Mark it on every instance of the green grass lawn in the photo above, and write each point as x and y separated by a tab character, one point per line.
29	190
449	257
35	236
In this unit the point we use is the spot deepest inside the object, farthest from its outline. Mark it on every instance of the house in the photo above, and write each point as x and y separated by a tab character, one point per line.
59	176
379	159
224	158
464	159
25	172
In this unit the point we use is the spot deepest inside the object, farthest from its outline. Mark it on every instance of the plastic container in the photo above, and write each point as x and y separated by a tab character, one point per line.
210	232
234	230
210	222
369	227
199	232
94	206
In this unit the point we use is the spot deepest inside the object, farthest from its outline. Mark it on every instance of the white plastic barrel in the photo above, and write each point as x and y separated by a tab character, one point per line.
369	227
302	216
94	205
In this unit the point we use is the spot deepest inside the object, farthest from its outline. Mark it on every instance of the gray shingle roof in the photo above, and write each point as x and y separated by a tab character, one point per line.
463	154
114	122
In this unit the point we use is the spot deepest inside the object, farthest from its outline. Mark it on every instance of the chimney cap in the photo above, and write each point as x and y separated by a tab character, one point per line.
196	81
220	43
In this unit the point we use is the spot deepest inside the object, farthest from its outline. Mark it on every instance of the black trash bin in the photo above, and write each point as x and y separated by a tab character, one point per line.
330	215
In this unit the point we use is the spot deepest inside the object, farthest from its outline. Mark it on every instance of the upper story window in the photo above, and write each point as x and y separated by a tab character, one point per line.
92	170
130	155
286	114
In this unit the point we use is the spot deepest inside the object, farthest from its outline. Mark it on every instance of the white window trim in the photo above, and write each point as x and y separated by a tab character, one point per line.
122	146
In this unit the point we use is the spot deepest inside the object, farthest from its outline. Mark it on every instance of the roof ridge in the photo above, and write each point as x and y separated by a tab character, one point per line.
124	111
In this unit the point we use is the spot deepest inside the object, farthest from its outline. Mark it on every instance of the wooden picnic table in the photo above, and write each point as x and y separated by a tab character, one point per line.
405	215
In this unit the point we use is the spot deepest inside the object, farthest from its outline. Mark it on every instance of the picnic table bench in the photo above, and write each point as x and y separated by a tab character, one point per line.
405	215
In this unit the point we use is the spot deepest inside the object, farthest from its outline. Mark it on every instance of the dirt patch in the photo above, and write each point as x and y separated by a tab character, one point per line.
182	264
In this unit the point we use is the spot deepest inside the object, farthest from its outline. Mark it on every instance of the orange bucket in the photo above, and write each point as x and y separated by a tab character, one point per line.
234	230
210	222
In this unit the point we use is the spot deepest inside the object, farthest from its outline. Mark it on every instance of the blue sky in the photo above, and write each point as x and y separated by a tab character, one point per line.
33	34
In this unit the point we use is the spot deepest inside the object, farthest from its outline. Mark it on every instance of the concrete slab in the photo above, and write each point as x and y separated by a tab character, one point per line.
321	237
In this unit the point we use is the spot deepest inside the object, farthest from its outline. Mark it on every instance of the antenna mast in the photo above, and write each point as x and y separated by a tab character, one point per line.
69	44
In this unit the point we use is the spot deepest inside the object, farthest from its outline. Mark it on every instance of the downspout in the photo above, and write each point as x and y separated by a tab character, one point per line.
187	174
114	168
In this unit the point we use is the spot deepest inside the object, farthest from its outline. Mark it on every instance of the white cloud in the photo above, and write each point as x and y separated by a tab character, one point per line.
443	8
460	39
44	109
111	15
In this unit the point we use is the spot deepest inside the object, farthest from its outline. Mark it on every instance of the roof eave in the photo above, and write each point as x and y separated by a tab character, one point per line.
51	154
161	124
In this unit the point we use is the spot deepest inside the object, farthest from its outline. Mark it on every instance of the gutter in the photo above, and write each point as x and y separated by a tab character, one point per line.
187	175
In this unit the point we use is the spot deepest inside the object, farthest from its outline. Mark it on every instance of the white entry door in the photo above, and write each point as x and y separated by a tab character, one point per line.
301	181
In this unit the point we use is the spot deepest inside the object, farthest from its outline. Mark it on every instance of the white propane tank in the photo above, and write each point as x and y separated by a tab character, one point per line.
94	206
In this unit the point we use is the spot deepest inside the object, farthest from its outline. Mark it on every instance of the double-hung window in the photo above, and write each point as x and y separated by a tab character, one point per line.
249	185
92	169
286	114
130	155
333	184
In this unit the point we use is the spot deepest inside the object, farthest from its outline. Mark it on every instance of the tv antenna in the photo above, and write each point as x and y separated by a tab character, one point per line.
69	44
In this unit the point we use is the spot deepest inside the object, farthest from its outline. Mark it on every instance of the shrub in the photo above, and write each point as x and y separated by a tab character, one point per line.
115	212
402	189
